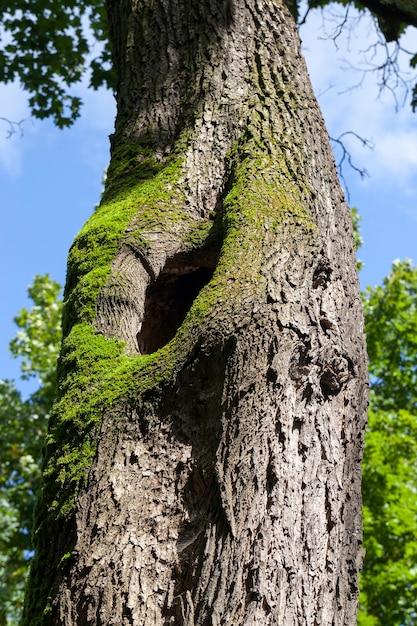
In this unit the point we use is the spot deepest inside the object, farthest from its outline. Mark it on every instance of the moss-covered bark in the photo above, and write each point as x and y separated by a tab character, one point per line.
203	459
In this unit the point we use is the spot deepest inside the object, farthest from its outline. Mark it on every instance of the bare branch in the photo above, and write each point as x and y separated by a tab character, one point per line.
346	156
304	19
386	60
13	127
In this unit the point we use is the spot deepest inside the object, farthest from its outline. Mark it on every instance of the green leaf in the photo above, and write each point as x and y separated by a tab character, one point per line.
49	47
23	430
389	577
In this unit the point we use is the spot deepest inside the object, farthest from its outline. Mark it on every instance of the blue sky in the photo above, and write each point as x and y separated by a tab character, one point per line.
50	180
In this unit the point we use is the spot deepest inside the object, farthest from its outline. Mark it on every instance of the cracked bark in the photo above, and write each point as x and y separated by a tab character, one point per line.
230	495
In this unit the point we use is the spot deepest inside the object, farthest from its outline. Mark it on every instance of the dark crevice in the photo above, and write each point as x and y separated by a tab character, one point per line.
168	300
170	296
322	274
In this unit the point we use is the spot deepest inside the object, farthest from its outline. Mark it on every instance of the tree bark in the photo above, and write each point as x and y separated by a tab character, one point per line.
203	460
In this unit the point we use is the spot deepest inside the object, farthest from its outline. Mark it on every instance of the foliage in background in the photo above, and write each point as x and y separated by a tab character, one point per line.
50	46
356	223
389	578
23	424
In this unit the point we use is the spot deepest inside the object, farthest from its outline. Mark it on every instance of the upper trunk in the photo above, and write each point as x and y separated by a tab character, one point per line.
206	468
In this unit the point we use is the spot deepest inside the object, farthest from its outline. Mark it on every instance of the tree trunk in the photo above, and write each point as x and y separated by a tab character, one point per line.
203	460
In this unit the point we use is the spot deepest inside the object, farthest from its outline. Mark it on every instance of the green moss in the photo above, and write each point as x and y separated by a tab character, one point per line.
95	374
130	163
259	201
155	203
196	235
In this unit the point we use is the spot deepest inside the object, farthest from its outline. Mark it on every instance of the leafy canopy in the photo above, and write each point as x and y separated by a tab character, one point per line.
389	578
23	427
50	46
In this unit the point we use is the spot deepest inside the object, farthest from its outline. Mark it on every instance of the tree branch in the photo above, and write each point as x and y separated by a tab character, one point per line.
347	157
13	127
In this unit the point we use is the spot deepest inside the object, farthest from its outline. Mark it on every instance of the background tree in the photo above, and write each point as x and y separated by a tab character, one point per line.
23	428
389	578
178	218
